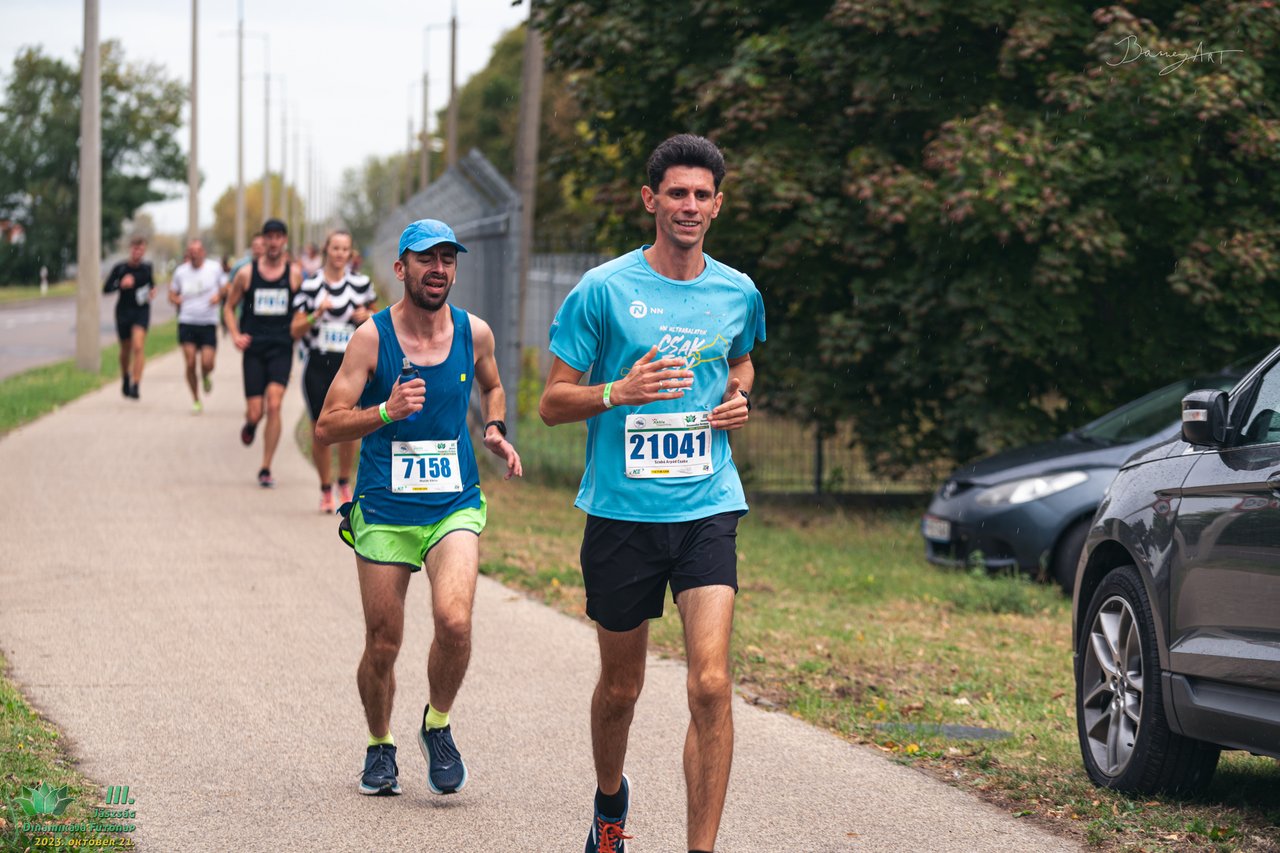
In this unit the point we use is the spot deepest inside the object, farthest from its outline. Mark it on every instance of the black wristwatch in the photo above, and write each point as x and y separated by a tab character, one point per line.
746	397
501	425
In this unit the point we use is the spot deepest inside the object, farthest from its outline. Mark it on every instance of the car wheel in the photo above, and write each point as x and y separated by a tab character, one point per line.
1067	555
1125	739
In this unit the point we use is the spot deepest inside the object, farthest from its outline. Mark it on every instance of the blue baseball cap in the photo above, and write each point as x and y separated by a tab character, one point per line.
424	234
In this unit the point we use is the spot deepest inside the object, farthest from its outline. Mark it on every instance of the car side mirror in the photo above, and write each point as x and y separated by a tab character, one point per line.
1204	418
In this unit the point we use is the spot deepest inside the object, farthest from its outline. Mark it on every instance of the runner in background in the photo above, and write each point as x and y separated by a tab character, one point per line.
262	333
133	279
327	310
196	289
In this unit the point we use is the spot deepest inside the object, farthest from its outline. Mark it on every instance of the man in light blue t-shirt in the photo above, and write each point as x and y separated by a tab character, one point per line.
666	333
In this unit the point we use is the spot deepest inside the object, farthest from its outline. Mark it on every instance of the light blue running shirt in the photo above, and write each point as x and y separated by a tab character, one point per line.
612	318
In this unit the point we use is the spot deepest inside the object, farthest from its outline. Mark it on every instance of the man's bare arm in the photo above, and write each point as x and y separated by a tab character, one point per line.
341	418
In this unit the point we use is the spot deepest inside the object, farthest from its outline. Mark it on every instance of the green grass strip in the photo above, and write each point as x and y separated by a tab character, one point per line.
38	391
27	292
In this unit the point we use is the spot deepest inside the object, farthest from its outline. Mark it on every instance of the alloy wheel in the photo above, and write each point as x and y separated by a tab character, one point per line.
1112	680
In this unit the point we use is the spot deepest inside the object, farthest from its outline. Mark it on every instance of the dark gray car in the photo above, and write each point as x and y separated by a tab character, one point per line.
1176	618
1030	508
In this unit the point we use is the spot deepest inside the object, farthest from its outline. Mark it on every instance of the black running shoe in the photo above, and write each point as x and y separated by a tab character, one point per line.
447	774
133	389
246	433
124	386
380	770
265	479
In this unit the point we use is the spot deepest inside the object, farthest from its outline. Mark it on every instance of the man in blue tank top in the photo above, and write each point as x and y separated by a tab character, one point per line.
418	496
666	332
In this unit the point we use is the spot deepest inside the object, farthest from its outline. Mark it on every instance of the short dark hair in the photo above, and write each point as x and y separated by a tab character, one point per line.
686	149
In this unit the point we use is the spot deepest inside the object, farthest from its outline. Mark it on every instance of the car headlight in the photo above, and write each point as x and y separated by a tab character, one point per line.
1031	489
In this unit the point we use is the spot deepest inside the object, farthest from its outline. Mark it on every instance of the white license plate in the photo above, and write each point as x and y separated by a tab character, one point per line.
936	529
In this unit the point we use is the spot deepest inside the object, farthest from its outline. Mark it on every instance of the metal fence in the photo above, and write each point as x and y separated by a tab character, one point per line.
484	211
776	454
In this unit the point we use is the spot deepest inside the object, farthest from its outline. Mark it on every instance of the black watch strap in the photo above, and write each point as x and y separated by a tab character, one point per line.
746	397
501	425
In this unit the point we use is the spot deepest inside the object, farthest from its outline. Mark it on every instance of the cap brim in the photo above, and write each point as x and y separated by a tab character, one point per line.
430	242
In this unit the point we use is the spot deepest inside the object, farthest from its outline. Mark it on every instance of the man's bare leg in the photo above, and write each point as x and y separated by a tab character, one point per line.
707	613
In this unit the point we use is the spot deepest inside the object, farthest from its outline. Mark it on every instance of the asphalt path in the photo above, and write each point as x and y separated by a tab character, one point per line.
195	637
36	332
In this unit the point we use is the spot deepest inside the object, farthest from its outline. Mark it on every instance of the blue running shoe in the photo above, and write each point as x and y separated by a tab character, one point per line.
447	773
606	834
379	776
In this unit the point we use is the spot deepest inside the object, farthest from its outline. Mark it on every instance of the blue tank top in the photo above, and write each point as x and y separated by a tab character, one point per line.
443	418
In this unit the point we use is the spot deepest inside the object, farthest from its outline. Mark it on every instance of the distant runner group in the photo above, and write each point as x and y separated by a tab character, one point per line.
652	350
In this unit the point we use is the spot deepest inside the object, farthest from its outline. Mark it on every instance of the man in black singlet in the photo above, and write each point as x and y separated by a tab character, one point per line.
261	332
133	312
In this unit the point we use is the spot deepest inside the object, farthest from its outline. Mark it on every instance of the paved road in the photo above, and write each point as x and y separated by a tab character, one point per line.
196	638
43	331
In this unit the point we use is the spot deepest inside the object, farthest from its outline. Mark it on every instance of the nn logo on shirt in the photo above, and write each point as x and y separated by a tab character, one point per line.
639	310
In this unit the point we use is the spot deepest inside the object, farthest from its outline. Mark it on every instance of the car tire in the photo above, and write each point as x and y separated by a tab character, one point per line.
1066	555
1125	739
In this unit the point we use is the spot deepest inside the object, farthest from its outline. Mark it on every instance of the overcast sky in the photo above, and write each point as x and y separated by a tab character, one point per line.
350	71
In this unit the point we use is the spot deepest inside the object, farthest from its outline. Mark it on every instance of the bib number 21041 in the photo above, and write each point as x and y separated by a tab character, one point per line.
668	445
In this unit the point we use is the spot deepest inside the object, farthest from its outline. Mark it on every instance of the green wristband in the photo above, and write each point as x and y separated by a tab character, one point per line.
608	386
382	411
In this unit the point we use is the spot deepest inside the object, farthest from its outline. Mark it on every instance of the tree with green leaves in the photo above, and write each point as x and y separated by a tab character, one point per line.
39	152
974	223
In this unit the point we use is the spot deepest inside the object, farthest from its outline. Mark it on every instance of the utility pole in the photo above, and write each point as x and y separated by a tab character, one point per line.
286	202
193	167
408	159
266	128
89	239
240	242
527	154
424	162
453	86
297	163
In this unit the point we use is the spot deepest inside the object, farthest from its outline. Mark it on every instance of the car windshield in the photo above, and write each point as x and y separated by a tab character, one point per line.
1148	415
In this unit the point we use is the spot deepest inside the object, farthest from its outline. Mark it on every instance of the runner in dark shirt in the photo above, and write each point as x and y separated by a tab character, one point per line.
133	279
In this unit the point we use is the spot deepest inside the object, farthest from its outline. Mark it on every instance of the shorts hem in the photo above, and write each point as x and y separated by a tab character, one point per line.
408	566
475	533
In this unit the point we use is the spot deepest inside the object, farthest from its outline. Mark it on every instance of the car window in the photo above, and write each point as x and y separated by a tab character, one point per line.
1150	414
1262	423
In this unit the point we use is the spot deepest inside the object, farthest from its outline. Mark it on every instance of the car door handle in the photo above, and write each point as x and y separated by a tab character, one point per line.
1274	482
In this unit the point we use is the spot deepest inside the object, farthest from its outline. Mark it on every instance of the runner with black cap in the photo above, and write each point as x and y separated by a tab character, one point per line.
261	332
418	496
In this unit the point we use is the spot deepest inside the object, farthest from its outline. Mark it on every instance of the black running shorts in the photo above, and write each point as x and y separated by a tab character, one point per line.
322	367
127	319
199	334
264	364
626	565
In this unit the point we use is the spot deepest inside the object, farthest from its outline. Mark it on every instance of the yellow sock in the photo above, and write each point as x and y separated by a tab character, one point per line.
386	739
435	719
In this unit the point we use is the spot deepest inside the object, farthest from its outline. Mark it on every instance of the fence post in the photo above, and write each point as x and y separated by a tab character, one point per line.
817	459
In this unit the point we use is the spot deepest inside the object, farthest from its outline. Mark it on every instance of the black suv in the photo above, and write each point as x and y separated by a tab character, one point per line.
1176	619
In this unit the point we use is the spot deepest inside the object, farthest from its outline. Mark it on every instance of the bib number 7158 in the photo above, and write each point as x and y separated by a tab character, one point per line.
425	466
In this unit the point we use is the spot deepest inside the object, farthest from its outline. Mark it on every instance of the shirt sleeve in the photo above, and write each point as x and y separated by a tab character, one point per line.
575	331
753	326
302	300
112	284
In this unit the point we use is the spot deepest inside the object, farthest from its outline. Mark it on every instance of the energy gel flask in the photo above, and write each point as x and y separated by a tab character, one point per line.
408	374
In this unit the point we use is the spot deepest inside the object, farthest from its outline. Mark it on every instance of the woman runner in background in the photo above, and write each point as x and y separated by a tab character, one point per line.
327	309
